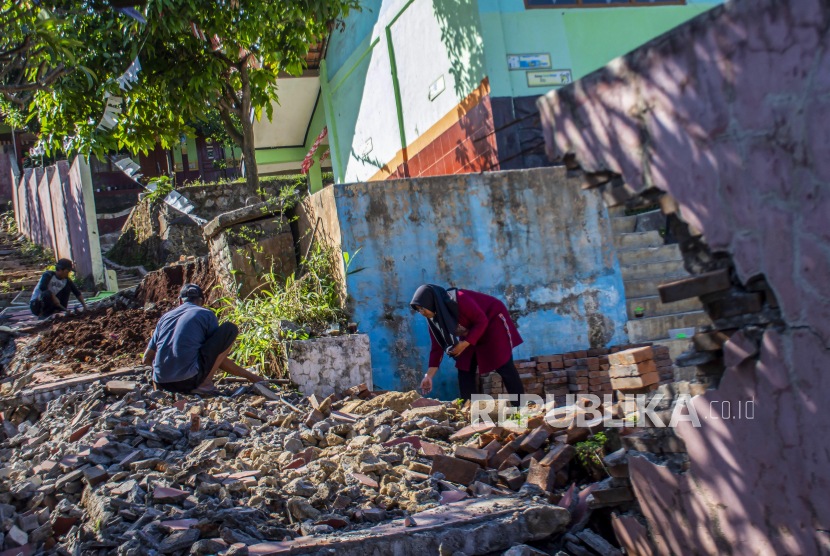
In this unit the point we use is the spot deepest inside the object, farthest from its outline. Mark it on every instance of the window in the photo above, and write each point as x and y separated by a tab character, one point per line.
599	3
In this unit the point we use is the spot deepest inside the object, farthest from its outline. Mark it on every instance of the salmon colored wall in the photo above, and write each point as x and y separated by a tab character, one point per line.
468	146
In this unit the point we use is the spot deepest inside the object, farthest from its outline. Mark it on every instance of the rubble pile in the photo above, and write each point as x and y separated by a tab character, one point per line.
123	469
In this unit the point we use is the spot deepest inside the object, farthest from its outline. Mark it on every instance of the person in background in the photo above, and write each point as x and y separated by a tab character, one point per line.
475	329
52	292
189	345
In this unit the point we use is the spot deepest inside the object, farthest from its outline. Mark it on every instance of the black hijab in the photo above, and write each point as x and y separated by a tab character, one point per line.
443	303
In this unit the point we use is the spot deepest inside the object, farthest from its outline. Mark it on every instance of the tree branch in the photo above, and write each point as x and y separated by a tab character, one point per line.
227	121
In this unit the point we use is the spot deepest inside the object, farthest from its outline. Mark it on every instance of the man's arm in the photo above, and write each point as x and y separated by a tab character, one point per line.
77	292
57	302
150	352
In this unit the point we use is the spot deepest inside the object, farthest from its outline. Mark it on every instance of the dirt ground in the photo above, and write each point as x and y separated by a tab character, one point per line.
165	283
96	337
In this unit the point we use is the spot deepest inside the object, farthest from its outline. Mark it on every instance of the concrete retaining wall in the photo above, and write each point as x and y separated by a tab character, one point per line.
543	248
323	366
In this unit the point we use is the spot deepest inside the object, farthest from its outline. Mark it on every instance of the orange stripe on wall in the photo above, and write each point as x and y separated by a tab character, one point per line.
435	131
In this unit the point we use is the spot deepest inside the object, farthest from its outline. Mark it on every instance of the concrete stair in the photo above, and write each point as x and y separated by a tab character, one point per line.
635	240
652	329
648	286
642	255
662	269
652	306
646	263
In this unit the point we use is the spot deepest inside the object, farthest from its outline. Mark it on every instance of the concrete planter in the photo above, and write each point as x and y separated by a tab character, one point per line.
323	366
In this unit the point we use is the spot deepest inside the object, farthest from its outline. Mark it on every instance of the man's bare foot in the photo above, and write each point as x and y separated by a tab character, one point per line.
206	386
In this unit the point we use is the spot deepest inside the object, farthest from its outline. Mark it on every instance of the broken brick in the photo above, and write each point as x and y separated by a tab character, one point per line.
454	470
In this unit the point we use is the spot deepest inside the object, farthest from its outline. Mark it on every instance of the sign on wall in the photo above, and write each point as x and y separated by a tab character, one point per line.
528	61
436	88
548	78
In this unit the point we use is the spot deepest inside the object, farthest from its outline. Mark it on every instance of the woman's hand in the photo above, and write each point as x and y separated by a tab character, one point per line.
426	385
459	348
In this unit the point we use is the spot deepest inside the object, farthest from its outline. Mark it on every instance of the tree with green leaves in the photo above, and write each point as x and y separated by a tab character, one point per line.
196	56
42	42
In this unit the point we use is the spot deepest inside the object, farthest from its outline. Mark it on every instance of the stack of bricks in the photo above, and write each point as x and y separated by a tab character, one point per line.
551	369
576	367
531	381
634	371
578	372
664	364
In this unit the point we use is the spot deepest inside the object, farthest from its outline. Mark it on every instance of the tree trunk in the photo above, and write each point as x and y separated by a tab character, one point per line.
248	142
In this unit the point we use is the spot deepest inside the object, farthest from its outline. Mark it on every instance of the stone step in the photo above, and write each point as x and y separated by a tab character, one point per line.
656	328
638	240
648	286
653	307
660	269
623	224
616	211
650	255
676	346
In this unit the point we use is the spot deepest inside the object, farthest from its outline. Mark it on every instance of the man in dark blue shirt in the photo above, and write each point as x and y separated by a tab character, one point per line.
189	345
52	292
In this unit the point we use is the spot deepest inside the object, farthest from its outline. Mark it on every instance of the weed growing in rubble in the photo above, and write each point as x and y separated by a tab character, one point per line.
8	223
588	451
265	316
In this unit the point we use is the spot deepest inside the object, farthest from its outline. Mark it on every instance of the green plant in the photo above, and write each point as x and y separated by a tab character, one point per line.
8	223
164	185
349	259
311	301
588	451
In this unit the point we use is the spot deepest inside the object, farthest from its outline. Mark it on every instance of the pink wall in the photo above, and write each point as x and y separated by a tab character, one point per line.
57	191
729	114
50	210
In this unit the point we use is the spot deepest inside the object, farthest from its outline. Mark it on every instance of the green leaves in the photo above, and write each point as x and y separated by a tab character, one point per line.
311	301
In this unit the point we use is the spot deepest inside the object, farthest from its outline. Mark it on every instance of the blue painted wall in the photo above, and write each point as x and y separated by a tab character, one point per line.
528	237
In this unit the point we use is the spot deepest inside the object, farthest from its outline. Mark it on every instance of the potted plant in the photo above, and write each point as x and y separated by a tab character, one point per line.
639	312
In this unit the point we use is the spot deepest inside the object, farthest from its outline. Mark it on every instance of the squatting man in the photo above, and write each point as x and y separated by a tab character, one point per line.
189	345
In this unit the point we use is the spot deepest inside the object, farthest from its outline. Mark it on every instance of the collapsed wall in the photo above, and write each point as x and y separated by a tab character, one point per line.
693	119
156	234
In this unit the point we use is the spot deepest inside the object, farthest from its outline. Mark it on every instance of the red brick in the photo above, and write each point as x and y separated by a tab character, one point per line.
631	356
557	391
79	433
639	369
513	460
535	439
558	456
541	476
366	481
634	381
548	358
454	470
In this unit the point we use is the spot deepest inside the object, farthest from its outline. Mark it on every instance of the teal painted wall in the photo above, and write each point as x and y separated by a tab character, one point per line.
597	36
464	41
581	40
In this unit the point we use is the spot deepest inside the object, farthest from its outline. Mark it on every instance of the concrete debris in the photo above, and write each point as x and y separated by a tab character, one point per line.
121	468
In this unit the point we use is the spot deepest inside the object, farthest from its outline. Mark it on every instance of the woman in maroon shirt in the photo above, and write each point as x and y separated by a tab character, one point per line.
474	329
